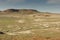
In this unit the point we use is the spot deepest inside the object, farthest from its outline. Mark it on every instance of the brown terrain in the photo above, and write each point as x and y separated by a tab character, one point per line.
29	24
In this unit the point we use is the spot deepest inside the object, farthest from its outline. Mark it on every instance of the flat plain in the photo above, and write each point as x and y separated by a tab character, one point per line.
32	26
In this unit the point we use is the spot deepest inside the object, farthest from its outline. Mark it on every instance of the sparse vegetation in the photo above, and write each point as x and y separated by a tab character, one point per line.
32	26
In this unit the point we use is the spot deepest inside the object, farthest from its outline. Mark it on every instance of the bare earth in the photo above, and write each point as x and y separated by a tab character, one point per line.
34	26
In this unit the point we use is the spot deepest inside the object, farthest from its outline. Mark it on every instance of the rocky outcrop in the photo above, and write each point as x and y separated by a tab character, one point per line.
23	11
2	32
11	10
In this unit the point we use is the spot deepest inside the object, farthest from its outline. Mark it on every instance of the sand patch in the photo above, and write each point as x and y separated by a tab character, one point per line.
8	33
21	21
21	32
25	32
46	25
36	19
57	28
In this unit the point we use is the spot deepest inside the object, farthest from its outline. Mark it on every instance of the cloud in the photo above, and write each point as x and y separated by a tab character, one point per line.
2	2
15	1
53	1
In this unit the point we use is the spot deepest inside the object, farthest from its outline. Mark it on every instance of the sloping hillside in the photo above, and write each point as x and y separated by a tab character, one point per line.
29	24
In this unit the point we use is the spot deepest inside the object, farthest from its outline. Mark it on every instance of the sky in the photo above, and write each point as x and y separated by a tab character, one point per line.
40	5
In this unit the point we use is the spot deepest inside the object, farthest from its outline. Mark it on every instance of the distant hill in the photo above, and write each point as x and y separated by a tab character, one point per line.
23	11
11	10
27	11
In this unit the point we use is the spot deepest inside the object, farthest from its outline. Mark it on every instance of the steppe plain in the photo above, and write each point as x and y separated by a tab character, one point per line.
29	24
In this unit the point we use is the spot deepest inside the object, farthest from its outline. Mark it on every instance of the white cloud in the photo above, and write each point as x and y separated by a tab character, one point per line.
14	1
53	1
2	2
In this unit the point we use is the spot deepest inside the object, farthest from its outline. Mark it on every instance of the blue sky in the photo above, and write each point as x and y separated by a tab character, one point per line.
40	5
